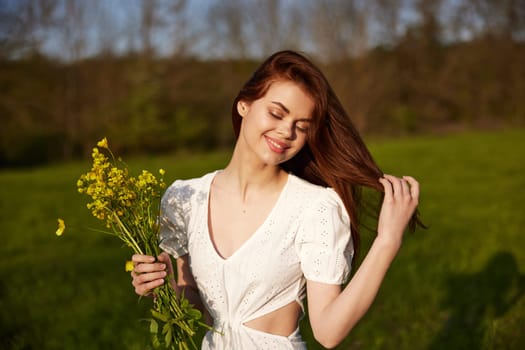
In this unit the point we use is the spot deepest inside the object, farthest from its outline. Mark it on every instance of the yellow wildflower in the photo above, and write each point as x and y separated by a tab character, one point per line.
128	206
61	227
129	266
103	143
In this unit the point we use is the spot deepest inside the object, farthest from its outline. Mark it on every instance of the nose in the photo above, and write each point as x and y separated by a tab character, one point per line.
286	129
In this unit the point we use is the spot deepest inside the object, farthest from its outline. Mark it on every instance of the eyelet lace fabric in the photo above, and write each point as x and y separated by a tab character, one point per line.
305	236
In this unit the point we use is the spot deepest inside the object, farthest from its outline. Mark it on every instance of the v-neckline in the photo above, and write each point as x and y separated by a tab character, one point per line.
254	233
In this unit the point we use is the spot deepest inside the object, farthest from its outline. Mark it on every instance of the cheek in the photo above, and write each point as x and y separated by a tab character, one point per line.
302	139
255	117
264	121
253	125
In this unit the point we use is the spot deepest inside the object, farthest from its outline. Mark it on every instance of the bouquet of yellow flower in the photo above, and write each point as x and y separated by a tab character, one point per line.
129	206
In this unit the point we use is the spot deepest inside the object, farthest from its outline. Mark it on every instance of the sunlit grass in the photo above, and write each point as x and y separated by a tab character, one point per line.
456	285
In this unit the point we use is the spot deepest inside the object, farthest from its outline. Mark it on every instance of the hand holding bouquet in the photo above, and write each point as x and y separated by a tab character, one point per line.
129	206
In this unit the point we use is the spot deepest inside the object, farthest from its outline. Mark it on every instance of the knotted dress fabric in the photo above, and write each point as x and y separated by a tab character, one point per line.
305	236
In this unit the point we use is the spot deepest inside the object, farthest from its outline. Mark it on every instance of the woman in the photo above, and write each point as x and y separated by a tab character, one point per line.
280	221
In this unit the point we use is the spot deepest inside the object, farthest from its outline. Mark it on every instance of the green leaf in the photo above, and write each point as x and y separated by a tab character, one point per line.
153	326
184	303
194	314
166	328
167	338
159	316
155	341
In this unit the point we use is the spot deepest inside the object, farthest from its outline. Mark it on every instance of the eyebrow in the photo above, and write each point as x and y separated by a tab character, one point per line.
282	106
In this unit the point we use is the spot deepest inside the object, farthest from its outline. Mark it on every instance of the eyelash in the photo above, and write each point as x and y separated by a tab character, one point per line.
276	116
302	129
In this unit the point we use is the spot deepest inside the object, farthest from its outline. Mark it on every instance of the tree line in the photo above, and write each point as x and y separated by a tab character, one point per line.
459	63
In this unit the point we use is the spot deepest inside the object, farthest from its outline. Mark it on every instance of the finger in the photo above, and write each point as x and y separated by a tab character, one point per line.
166	259
146	288
387	187
141	278
145	283
143	261
138	258
148	267
414	187
405	188
396	184
163	257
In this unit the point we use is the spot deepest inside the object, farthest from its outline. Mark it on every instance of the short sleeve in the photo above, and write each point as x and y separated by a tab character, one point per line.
173	236
325	245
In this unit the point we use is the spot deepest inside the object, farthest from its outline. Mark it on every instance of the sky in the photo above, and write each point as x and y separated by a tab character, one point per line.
116	24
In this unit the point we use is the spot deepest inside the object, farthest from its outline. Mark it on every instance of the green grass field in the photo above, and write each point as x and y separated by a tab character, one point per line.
458	285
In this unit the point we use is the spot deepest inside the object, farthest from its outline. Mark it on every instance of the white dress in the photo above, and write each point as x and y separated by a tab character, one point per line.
305	236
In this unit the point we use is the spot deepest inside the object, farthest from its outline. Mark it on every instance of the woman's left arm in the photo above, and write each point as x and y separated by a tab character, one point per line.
334	312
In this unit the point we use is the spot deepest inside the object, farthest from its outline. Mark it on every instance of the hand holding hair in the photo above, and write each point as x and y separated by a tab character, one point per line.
399	204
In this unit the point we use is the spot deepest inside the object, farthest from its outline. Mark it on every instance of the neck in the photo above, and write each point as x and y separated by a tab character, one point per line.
244	174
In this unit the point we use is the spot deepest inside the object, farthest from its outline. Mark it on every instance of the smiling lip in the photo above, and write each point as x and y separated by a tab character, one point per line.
276	146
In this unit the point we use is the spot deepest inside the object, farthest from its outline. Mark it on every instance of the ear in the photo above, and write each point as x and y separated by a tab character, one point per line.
242	108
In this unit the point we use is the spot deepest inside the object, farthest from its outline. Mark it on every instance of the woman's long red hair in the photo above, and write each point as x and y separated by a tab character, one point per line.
335	154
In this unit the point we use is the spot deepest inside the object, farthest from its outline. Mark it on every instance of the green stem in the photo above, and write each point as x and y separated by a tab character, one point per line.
129	237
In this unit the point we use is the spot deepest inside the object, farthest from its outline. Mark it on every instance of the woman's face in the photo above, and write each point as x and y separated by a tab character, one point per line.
275	126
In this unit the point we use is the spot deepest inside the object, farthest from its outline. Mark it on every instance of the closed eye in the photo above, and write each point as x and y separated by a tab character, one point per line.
276	116
302	126
301	129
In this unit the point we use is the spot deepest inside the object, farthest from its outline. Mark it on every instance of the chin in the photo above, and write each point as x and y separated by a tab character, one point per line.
273	162
276	160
